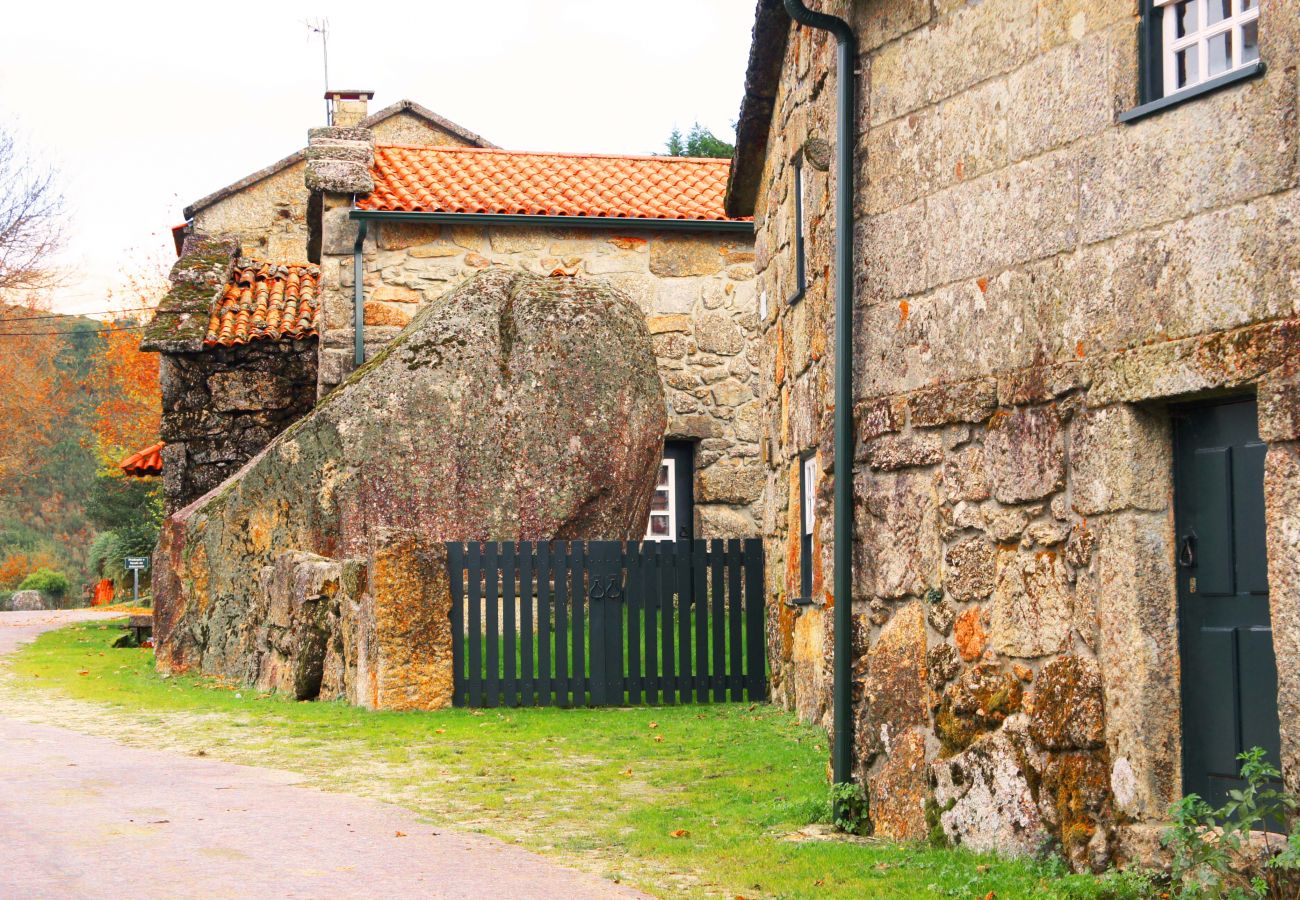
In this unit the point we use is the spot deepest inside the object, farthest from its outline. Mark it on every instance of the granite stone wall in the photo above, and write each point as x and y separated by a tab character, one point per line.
696	290
1034	284
223	405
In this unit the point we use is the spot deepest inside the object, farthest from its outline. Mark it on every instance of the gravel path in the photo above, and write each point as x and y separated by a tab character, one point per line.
84	816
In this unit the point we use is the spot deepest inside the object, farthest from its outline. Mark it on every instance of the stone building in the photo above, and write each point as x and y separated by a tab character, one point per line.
653	227
1075	335
434	204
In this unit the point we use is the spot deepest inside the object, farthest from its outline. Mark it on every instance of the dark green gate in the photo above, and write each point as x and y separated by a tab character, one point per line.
604	623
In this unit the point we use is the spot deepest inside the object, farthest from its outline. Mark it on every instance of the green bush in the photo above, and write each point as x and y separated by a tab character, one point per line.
50	583
1214	854
849	808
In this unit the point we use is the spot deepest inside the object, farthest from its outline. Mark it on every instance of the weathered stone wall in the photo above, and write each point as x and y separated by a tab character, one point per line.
269	217
222	405
696	290
519	408
1034	282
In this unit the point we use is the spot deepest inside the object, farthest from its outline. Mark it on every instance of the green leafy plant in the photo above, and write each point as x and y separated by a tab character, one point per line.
1215	851
849	808
52	584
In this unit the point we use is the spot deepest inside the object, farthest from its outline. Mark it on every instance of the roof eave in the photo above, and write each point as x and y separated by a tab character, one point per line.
732	225
762	81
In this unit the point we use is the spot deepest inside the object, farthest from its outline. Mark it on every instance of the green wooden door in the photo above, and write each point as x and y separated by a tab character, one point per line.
1229	676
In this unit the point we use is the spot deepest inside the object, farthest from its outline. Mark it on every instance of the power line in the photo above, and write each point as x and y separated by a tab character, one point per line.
5	334
97	312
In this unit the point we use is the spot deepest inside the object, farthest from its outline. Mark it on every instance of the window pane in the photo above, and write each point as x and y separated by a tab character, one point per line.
1185	18
1220	47
662	480
659	526
1186	67
659	503
1217	11
1249	4
1250	42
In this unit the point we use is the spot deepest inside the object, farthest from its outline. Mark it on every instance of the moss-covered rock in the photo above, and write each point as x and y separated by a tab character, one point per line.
519	407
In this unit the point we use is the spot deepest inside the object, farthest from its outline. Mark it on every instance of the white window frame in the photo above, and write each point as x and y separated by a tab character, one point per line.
810	492
1200	37
671	513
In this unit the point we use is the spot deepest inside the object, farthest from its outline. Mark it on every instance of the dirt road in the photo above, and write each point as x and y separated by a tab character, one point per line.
84	816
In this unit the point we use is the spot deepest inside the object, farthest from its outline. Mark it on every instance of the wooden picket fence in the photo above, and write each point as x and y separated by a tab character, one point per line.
606	623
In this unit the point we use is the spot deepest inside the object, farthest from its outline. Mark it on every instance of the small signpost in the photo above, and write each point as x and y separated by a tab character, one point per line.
134	564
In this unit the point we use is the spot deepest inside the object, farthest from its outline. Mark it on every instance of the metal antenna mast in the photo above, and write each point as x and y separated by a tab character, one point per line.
322	27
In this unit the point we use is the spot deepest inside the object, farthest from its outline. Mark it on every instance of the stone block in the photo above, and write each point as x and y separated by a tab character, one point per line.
897	791
1119	459
729	481
338	233
1038	384
339	177
881	22
435	251
1017	214
664	324
900	163
969	634
671	295
964	478
719	334
377	313
893	248
249	390
987	803
969	569
1149	173
1136	613
1062	21
976	42
978	702
518	238
406	235
723	522
1282	508
1279	408
898	512
1067	709
1025	454
675	256
972	401
897	686
901	451
899	77
972	134
1031	612
361	152
615	262
877	417
1058	98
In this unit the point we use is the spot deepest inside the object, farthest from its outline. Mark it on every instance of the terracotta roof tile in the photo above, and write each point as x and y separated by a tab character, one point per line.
144	463
265	301
478	180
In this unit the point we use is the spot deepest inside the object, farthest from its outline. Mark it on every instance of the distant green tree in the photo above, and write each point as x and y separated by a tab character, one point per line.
699	141
53	584
128	513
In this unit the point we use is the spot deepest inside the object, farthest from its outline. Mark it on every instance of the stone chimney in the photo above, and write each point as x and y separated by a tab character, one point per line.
339	160
348	108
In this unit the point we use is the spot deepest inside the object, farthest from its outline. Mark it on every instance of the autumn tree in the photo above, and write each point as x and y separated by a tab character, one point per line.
128	416
31	217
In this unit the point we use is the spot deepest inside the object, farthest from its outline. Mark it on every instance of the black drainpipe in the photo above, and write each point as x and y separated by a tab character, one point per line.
842	718
359	296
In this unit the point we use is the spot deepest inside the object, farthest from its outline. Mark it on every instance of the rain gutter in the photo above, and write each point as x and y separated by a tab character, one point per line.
460	218
842	551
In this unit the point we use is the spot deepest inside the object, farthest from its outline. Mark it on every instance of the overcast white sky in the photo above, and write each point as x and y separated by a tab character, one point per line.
146	107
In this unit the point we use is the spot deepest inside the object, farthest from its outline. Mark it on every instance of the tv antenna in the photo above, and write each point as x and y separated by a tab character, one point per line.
321	26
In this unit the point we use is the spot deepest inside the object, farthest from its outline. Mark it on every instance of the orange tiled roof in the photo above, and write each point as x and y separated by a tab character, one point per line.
264	301
145	462
480	180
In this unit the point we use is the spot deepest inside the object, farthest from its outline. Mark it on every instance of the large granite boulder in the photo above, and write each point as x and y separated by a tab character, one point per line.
26	601
517	407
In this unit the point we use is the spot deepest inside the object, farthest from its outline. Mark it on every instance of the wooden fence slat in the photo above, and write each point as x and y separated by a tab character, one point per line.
543	697
597	607
578	598
475	633
635	588
563	563
509	610
525	623
755	610
492	602
685	680
717	613
735	642
456	576
700	590
666	587
653	597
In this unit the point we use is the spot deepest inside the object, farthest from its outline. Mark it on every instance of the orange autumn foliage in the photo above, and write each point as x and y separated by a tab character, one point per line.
17	566
34	392
129	417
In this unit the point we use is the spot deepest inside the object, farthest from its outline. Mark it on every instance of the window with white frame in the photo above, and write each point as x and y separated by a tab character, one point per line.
807	506
663	506
1205	39
800	233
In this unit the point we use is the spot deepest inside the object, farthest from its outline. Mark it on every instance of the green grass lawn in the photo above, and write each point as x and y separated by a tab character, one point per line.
680	801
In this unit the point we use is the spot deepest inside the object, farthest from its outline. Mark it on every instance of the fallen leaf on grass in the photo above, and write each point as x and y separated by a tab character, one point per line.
654	724
440	730
981	868
626	773
659	738
399	834
84	672
679	833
